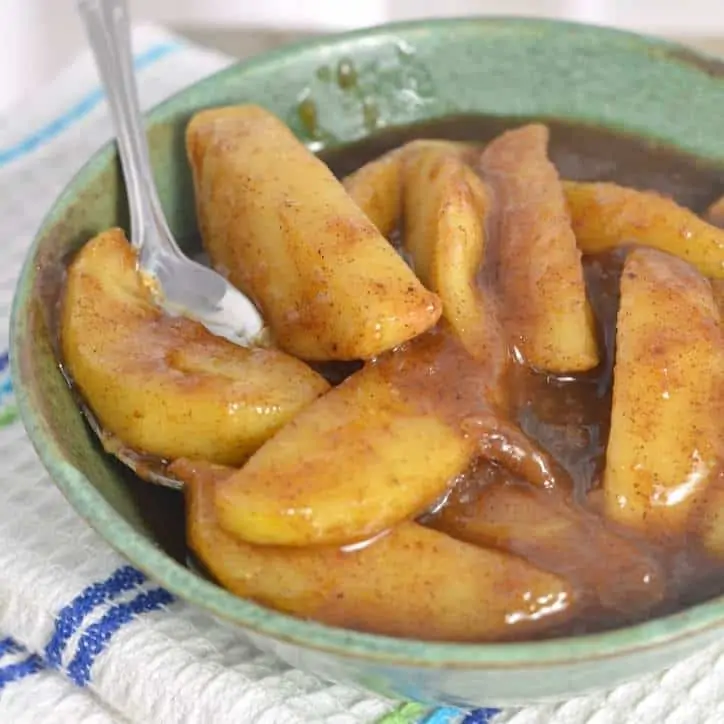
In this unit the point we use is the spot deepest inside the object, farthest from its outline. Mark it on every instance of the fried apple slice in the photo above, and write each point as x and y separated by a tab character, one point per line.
166	386
446	204
667	418
715	213
546	529
540	277
277	221
380	448
606	215
376	187
411	582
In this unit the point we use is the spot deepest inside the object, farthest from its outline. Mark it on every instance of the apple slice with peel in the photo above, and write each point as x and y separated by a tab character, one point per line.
446	210
546	528
411	582
540	277
606	216
165	386
277	221
667	420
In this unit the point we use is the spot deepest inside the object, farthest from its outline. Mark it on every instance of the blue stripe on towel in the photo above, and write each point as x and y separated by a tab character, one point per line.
9	646
443	715
453	715
71	616
96	637
82	108
6	386
31	664
480	716
8	411
20	670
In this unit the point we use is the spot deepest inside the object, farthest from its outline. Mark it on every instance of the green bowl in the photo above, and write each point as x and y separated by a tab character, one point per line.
332	91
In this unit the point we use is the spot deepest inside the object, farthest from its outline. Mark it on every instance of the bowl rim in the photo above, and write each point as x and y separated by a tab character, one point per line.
257	619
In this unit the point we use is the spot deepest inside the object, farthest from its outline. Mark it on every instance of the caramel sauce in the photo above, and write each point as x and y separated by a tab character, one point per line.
620	576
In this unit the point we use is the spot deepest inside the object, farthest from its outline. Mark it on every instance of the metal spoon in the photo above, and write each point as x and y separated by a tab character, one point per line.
180	286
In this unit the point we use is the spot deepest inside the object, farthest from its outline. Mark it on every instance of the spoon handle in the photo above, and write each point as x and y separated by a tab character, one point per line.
181	285
107	29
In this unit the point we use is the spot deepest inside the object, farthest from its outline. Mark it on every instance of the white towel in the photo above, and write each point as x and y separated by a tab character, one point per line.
84	637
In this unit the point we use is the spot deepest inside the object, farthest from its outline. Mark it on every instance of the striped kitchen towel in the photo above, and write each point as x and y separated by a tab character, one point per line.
85	637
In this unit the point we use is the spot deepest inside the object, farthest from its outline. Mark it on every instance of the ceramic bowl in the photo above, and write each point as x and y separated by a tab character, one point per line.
403	74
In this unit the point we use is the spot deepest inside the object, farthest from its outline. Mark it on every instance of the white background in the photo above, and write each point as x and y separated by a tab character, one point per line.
39	36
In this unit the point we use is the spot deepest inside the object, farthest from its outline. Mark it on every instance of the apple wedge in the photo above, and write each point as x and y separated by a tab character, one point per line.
606	215
411	582
379	448
715	213
275	219
546	529
540	278
667	418
376	187
166	386
445	210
